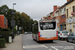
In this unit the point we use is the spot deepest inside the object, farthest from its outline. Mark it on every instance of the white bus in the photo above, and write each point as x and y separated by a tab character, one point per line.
45	30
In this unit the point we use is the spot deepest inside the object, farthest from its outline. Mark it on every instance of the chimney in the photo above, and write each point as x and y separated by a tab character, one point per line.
68	0
55	7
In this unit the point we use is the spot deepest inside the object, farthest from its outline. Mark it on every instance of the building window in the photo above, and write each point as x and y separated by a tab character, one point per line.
58	28
60	11
67	27
64	9
67	13
70	26
74	27
57	14
57	20
74	10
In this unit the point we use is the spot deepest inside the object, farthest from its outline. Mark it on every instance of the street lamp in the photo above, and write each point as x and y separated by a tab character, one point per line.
13	21
13	5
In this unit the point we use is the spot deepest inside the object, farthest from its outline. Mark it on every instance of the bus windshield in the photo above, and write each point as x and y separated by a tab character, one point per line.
47	25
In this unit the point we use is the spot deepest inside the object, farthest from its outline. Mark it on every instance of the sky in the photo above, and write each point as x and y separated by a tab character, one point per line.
36	9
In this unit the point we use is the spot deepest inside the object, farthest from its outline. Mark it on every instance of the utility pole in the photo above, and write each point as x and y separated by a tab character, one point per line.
13	21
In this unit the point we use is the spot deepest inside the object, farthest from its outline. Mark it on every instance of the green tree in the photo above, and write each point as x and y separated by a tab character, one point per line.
26	22
21	19
35	21
17	18
4	10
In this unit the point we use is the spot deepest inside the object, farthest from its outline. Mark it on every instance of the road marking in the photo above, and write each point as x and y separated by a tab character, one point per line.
45	46
71	43
49	49
23	46
34	46
68	42
54	48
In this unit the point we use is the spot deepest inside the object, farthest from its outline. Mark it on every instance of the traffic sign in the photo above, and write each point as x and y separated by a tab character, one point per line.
72	13
12	22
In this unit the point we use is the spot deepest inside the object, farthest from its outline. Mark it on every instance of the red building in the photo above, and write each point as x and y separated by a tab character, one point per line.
3	21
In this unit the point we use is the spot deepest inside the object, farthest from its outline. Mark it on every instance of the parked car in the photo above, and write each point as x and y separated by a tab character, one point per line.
62	34
29	32
25	32
58	32
71	37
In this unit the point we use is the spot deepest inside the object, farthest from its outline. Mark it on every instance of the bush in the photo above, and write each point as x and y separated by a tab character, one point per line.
5	34
15	31
2	42
5	29
0	28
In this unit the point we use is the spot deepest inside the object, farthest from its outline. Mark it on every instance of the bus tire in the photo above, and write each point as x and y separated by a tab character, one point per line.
33	39
67	40
37	40
73	41
51	40
59	38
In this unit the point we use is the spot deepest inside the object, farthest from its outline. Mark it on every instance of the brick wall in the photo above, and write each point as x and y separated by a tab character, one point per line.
62	19
2	22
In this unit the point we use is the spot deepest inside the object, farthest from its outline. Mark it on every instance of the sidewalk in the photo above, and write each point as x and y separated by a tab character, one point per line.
16	45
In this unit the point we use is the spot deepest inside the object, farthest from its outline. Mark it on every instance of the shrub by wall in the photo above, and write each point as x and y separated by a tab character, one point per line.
5	32
2	42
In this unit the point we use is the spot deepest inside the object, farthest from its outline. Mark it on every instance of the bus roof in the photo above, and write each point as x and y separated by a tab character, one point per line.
47	20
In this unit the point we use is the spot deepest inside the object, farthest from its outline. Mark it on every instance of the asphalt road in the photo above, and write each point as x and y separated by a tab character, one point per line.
30	44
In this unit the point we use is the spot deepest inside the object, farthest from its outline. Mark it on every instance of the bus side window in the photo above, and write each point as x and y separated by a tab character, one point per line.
41	26
35	29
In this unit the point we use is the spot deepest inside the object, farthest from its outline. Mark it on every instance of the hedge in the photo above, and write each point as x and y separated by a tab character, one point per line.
2	42
4	29
5	34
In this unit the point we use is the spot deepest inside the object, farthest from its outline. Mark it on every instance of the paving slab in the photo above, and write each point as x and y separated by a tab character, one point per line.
16	45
